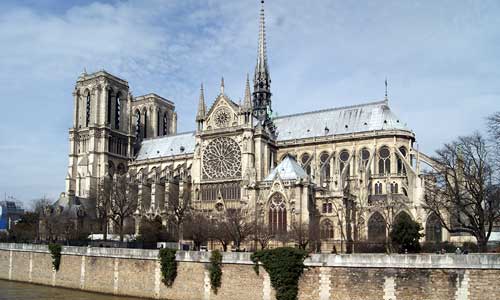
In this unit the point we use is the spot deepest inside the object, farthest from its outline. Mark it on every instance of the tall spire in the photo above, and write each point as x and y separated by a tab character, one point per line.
247	102
202	109
262	80
262	51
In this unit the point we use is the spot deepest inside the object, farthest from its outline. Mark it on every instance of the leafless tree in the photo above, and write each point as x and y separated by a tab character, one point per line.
123	195
220	233
239	225
262	235
299	232
103	204
463	190
198	228
178	207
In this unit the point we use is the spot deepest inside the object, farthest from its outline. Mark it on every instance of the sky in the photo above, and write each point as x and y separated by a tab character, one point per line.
441	60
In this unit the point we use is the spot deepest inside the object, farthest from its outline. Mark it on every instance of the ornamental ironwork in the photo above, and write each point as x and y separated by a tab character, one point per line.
222	159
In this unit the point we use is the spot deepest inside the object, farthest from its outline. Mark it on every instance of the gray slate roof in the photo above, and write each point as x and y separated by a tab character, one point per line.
288	169
171	145
343	120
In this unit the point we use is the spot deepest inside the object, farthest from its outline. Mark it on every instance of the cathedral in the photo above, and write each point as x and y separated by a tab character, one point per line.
346	172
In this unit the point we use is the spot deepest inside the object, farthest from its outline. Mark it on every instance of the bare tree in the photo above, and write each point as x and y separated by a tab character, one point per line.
239	225
123	201
299	232
198	228
263	235
178	207
220	233
463	190
103	205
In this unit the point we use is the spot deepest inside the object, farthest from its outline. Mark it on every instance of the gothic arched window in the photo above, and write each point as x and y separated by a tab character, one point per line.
165	123
137	124
344	158
327	208
117	110
327	231
277	214
87	116
365	157
433	229
394	188
376	228
109	106
145	129
401	166
384	162
306	164
325	165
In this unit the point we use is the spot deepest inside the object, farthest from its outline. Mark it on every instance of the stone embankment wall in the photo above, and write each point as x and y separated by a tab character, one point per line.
136	272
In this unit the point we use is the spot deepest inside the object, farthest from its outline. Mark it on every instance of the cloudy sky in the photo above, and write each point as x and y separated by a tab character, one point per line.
441	59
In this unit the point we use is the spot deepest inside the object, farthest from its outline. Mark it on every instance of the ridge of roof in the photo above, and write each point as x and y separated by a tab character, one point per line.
333	109
168	136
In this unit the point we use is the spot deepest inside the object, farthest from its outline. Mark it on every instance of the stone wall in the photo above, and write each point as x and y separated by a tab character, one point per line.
135	272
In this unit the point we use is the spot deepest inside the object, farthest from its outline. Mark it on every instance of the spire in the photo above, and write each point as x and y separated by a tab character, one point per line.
222	86
247	102
386	99
261	67
202	109
261	107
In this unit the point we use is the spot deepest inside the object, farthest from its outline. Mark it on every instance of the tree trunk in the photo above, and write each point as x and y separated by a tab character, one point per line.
121	230
482	245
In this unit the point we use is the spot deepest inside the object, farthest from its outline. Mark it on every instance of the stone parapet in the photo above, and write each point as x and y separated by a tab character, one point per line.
406	261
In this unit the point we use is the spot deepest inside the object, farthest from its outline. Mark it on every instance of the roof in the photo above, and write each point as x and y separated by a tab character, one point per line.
288	169
170	145
342	120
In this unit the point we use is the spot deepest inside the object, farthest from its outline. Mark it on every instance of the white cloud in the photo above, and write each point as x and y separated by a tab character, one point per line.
441	59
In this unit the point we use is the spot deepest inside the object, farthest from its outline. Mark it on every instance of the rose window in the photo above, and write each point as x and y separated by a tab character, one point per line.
222	117
222	159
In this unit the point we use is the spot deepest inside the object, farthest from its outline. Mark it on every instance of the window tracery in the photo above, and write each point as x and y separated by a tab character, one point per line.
376	228
327	231
305	163
325	163
117	111
222	159
344	158
384	162
277	214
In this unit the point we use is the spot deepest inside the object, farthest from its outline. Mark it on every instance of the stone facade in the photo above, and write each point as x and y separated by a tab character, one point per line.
135	272
347	172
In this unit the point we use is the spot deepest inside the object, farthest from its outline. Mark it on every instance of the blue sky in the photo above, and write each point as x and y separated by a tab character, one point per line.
441	59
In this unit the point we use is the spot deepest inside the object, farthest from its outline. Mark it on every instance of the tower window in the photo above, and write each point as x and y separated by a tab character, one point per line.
137	124
145	131
117	111
87	117
109	107
165	123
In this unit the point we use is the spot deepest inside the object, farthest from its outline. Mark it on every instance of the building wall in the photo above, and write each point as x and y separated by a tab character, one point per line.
135	272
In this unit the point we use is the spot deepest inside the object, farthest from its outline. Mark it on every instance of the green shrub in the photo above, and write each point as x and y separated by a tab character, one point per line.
215	270
168	266
406	234
55	251
285	266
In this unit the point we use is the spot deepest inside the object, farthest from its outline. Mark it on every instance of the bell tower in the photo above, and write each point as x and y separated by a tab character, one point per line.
100	139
